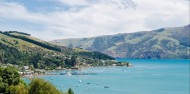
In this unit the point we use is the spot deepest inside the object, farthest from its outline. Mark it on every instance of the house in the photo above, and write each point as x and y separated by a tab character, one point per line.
26	67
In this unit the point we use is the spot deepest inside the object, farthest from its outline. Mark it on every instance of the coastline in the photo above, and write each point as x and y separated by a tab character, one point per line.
47	72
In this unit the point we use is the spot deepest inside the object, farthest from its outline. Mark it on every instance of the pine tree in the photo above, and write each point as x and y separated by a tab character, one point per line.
70	91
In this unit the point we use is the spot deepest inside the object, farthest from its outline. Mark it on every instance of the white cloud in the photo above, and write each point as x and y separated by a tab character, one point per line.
101	17
75	2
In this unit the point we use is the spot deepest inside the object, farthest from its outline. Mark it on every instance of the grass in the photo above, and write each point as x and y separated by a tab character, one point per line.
18	43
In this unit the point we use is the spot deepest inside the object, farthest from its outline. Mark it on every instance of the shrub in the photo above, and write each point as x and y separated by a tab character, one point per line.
40	86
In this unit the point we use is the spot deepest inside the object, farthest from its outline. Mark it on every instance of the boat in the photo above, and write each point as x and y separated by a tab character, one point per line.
106	87
63	73
69	74
82	73
80	81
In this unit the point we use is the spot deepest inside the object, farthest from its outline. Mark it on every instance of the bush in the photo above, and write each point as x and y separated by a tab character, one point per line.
18	89
40	86
10	83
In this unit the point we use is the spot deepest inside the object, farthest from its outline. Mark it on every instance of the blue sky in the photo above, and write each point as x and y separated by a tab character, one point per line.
60	19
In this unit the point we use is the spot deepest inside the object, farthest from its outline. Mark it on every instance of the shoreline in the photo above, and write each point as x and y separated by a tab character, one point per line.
54	74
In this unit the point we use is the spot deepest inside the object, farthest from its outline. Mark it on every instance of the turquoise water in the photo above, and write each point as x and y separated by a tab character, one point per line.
144	77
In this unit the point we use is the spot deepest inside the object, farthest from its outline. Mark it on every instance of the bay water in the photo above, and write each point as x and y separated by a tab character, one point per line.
144	77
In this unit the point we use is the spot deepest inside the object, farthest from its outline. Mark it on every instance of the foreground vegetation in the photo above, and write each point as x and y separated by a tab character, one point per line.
11	83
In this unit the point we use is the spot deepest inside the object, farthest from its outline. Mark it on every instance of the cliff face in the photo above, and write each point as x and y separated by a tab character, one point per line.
170	43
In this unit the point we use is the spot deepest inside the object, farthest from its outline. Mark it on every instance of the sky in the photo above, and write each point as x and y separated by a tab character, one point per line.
61	19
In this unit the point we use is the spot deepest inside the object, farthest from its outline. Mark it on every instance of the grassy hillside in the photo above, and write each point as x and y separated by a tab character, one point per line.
19	43
22	49
166	43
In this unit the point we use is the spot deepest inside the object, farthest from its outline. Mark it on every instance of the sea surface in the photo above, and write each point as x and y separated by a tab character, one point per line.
144	77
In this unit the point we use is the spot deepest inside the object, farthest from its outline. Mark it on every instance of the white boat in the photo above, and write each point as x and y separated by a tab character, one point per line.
69	74
80	81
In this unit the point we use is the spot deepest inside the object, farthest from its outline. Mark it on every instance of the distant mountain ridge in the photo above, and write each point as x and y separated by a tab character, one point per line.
164	43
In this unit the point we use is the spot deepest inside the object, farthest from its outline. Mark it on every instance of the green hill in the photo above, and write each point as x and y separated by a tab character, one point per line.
22	49
164	43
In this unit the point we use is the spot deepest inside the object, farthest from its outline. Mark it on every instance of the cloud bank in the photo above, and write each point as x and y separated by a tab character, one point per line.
88	18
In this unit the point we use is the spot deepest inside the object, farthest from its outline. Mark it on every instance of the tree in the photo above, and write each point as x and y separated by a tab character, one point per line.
10	76
2	84
35	59
70	91
73	60
1	56
40	86
10	82
18	89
